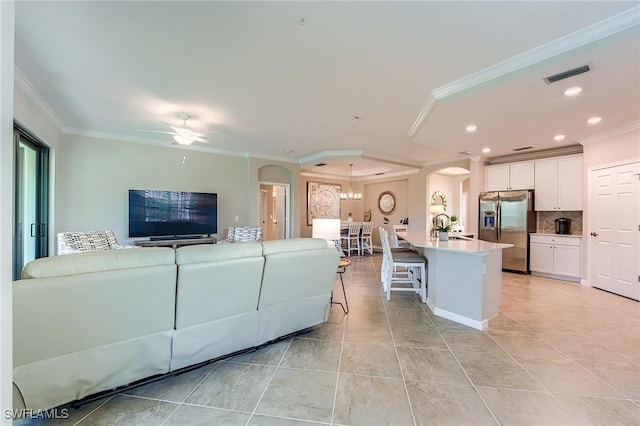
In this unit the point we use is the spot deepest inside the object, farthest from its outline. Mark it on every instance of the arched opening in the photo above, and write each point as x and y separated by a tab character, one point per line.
448	198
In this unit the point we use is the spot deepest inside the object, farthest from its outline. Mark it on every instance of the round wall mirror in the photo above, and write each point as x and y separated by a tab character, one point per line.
387	202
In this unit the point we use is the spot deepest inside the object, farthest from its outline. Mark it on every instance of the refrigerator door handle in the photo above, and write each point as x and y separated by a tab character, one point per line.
498	220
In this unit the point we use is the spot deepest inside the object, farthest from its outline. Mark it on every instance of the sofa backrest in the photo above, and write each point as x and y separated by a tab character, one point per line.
217	281
97	261
297	268
89	299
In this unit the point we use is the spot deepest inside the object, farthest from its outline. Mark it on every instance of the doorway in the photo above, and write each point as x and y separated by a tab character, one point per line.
275	211
31	200
614	237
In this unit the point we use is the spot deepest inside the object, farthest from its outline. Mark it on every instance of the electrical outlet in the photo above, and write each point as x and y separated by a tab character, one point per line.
237	218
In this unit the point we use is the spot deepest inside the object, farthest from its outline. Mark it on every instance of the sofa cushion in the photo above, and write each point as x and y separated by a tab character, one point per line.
98	261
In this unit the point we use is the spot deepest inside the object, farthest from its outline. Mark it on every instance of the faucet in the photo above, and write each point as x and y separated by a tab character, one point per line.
436	220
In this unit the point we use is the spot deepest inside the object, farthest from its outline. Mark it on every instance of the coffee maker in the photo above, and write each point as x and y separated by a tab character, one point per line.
563	225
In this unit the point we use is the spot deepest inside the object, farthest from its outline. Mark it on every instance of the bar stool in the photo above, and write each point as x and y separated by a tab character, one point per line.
342	268
412	265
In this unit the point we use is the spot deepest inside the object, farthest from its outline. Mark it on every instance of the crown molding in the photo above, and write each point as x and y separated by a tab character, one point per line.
634	125
429	105
384	176
447	160
163	144
24	85
319	156
590	34
534	155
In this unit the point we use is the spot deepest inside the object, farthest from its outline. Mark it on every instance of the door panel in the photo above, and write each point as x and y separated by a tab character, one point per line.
31	188
615	252
541	258
566	260
514	258
487	229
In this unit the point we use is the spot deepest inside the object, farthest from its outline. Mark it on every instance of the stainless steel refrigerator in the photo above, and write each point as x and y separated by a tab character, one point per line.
508	217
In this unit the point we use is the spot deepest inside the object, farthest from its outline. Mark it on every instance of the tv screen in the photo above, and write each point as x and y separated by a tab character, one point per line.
155	213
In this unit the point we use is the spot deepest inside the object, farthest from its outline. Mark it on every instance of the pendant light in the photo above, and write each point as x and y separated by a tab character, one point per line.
350	195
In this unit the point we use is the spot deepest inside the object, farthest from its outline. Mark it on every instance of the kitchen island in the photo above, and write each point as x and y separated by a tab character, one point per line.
464	277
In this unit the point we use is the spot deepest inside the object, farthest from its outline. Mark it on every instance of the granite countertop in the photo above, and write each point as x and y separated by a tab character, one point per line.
471	246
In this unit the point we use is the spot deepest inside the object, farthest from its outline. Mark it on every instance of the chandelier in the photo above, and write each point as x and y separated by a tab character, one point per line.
350	195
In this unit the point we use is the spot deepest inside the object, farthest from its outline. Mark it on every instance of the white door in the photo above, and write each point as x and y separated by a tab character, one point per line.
263	209
280	205
614	229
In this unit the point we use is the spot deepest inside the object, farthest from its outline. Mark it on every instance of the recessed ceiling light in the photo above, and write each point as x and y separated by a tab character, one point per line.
573	91
594	120
471	128
559	138
486	150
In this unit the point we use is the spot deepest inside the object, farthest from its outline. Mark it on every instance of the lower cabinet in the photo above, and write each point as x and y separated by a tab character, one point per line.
555	256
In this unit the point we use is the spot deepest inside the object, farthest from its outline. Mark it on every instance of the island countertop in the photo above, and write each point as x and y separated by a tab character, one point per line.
470	246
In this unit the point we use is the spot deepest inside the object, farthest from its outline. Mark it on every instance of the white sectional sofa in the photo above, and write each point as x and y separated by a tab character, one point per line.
93	321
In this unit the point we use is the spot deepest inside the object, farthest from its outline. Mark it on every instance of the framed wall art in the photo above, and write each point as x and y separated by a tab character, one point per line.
323	201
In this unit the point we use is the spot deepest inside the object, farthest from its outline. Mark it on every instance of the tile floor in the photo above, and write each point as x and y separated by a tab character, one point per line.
558	354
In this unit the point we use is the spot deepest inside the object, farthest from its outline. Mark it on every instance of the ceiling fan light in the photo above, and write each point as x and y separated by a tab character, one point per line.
183	139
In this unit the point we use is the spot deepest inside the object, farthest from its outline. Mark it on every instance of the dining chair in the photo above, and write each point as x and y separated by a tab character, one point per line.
352	239
366	242
402	268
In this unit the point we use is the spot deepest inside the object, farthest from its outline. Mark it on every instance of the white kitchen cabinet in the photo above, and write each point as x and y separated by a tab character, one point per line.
555	256
501	177
559	184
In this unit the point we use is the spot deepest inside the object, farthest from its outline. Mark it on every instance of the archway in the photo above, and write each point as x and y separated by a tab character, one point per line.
448	194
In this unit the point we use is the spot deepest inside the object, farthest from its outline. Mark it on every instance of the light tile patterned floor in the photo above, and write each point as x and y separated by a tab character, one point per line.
558	354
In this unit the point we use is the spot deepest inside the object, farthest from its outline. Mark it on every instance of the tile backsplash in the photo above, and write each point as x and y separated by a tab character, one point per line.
546	221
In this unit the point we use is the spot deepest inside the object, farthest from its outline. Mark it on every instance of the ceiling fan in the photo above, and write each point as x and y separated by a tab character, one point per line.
182	135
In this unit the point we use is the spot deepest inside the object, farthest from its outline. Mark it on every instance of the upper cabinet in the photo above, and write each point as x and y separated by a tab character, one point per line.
501	177
559	183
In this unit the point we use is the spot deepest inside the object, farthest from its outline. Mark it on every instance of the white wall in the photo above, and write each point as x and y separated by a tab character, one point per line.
7	14
400	189
94	177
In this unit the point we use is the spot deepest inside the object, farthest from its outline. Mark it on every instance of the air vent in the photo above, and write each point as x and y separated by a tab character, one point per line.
567	74
524	148
465	153
320	164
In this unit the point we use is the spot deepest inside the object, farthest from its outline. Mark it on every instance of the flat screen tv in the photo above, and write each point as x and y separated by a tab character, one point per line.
169	214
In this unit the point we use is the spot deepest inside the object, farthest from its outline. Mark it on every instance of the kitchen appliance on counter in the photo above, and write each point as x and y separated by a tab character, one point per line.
563	225
508	217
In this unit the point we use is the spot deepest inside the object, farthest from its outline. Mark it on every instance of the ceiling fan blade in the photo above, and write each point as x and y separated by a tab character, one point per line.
155	131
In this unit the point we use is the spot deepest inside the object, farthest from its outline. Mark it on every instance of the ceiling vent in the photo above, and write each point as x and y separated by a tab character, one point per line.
567	74
320	164
524	148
